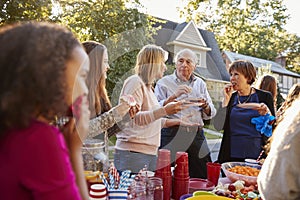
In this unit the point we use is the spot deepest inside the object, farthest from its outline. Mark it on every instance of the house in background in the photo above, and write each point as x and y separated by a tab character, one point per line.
174	37
284	77
212	65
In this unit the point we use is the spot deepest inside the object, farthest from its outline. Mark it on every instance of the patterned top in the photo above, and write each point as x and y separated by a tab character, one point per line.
103	122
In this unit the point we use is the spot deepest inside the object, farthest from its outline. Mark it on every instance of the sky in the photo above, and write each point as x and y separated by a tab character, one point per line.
167	9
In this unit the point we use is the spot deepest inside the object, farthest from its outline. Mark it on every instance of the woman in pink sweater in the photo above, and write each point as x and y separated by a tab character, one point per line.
137	143
43	69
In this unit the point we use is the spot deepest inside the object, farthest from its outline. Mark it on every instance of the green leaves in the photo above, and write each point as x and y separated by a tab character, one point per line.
121	28
251	27
115	23
22	10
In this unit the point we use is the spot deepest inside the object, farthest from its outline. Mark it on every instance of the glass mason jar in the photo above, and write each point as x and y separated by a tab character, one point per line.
94	157
155	189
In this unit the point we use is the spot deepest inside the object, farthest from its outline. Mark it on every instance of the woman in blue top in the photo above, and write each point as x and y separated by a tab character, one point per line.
241	139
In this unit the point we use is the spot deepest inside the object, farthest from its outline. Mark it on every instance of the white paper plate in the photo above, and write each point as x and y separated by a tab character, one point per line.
249	105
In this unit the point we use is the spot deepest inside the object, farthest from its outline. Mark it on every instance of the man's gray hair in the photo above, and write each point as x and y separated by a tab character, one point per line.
194	56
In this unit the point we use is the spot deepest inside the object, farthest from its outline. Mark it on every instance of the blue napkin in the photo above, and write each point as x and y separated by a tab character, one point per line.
263	124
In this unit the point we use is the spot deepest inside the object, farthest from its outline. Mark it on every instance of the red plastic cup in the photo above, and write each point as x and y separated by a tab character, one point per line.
163	163
181	170
213	172
160	174
164	154
180	187
181	156
98	191
167	187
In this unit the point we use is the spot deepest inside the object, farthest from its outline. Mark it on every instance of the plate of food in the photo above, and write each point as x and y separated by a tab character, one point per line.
193	101
190	104
238	190
249	105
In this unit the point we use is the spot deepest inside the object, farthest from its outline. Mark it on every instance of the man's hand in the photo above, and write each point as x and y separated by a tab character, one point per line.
182	89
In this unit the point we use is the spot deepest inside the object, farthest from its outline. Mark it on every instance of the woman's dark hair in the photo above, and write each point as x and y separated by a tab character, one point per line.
244	67
269	83
293	94
32	71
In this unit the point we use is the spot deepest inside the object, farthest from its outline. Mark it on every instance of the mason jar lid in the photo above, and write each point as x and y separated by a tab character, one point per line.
93	143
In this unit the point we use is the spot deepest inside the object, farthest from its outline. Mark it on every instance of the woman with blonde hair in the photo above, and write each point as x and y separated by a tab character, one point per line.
137	144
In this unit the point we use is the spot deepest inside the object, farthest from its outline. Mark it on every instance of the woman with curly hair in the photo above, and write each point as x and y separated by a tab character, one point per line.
43	68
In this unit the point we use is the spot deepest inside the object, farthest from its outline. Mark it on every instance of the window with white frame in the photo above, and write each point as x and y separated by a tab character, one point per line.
198	63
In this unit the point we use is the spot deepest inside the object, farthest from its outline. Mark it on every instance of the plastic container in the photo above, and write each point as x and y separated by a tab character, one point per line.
117	194
98	191
185	196
94	157
249	180
196	184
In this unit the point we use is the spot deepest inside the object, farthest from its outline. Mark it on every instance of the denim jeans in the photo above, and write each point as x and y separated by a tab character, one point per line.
192	141
134	161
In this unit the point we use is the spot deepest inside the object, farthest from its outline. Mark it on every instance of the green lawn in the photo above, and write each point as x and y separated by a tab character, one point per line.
112	142
210	136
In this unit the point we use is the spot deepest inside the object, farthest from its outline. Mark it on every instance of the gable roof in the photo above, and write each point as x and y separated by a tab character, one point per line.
258	62
175	33
190	34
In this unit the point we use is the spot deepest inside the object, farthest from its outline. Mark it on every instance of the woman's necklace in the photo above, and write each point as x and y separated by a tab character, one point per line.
238	96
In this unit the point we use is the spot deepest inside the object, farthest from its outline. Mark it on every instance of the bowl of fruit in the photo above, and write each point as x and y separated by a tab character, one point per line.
237	190
240	171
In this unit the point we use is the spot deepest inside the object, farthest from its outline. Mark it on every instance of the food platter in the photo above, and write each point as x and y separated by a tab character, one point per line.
190	104
193	102
249	180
